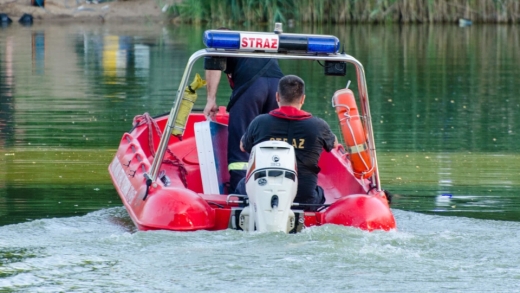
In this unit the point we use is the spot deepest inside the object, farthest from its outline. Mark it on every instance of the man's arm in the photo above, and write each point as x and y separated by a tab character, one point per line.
212	81
246	141
329	139
242	146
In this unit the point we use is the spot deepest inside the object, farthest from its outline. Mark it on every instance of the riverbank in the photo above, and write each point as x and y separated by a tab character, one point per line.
89	11
341	11
254	12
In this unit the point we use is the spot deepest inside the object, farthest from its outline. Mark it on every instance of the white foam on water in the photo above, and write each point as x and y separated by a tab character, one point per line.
95	253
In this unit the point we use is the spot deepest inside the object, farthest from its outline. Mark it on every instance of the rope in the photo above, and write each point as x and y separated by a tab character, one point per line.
180	166
148	120
152	125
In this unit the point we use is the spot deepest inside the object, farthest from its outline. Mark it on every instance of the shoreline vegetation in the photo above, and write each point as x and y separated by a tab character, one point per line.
247	12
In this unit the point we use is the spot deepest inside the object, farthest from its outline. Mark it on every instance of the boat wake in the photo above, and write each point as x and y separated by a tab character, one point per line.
96	252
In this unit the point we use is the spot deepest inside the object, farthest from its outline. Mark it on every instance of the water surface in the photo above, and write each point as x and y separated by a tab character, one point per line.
99	253
444	104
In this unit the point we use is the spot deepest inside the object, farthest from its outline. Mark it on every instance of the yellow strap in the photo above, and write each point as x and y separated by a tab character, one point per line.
237	166
357	148
188	99
197	83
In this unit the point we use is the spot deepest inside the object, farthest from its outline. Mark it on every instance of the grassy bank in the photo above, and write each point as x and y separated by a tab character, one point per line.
226	12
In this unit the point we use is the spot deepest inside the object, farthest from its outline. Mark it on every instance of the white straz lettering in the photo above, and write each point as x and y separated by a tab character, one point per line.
263	42
125	186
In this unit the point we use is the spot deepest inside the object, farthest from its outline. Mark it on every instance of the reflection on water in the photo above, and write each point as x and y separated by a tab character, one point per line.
38	52
444	105
477	185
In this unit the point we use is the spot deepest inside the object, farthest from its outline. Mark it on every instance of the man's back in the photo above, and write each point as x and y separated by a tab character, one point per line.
243	70
308	135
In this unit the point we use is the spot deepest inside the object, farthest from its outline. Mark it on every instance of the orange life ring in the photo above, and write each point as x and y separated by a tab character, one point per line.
353	133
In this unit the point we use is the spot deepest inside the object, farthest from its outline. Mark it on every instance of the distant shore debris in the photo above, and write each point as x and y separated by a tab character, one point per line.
39	3
5	19
26	19
463	22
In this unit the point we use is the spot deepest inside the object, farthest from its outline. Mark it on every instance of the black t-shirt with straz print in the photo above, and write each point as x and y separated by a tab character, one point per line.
308	137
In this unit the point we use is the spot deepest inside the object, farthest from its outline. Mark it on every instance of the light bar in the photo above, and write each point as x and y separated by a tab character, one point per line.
271	42
222	40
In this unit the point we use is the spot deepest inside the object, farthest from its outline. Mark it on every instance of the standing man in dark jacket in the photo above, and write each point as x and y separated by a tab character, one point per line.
307	134
254	82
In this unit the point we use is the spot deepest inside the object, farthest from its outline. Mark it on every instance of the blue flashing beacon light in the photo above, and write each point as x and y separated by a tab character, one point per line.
271	42
219	39
323	45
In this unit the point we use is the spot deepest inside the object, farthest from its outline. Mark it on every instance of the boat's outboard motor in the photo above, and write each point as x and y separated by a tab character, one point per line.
271	185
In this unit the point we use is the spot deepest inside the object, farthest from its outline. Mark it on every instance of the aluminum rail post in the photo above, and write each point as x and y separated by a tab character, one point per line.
365	107
165	138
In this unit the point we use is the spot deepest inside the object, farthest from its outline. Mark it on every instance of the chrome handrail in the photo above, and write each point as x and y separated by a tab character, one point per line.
362	89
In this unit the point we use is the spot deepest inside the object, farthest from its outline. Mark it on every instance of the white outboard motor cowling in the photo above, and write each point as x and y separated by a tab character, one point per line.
271	185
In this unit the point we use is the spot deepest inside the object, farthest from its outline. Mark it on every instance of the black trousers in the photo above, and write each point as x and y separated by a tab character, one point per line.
259	98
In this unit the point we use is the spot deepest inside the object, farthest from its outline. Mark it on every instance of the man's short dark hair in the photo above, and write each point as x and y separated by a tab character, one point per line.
291	88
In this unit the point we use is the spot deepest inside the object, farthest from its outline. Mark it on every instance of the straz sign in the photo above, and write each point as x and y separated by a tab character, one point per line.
259	42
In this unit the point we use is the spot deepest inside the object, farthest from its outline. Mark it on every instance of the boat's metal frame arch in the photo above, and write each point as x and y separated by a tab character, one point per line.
362	91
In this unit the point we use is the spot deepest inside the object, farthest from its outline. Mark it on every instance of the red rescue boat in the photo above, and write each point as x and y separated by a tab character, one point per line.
170	171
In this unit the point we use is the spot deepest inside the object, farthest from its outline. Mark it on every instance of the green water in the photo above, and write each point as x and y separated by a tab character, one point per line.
444	104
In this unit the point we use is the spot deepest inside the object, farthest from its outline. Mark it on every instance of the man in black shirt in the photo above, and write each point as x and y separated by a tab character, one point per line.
254	82
307	134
